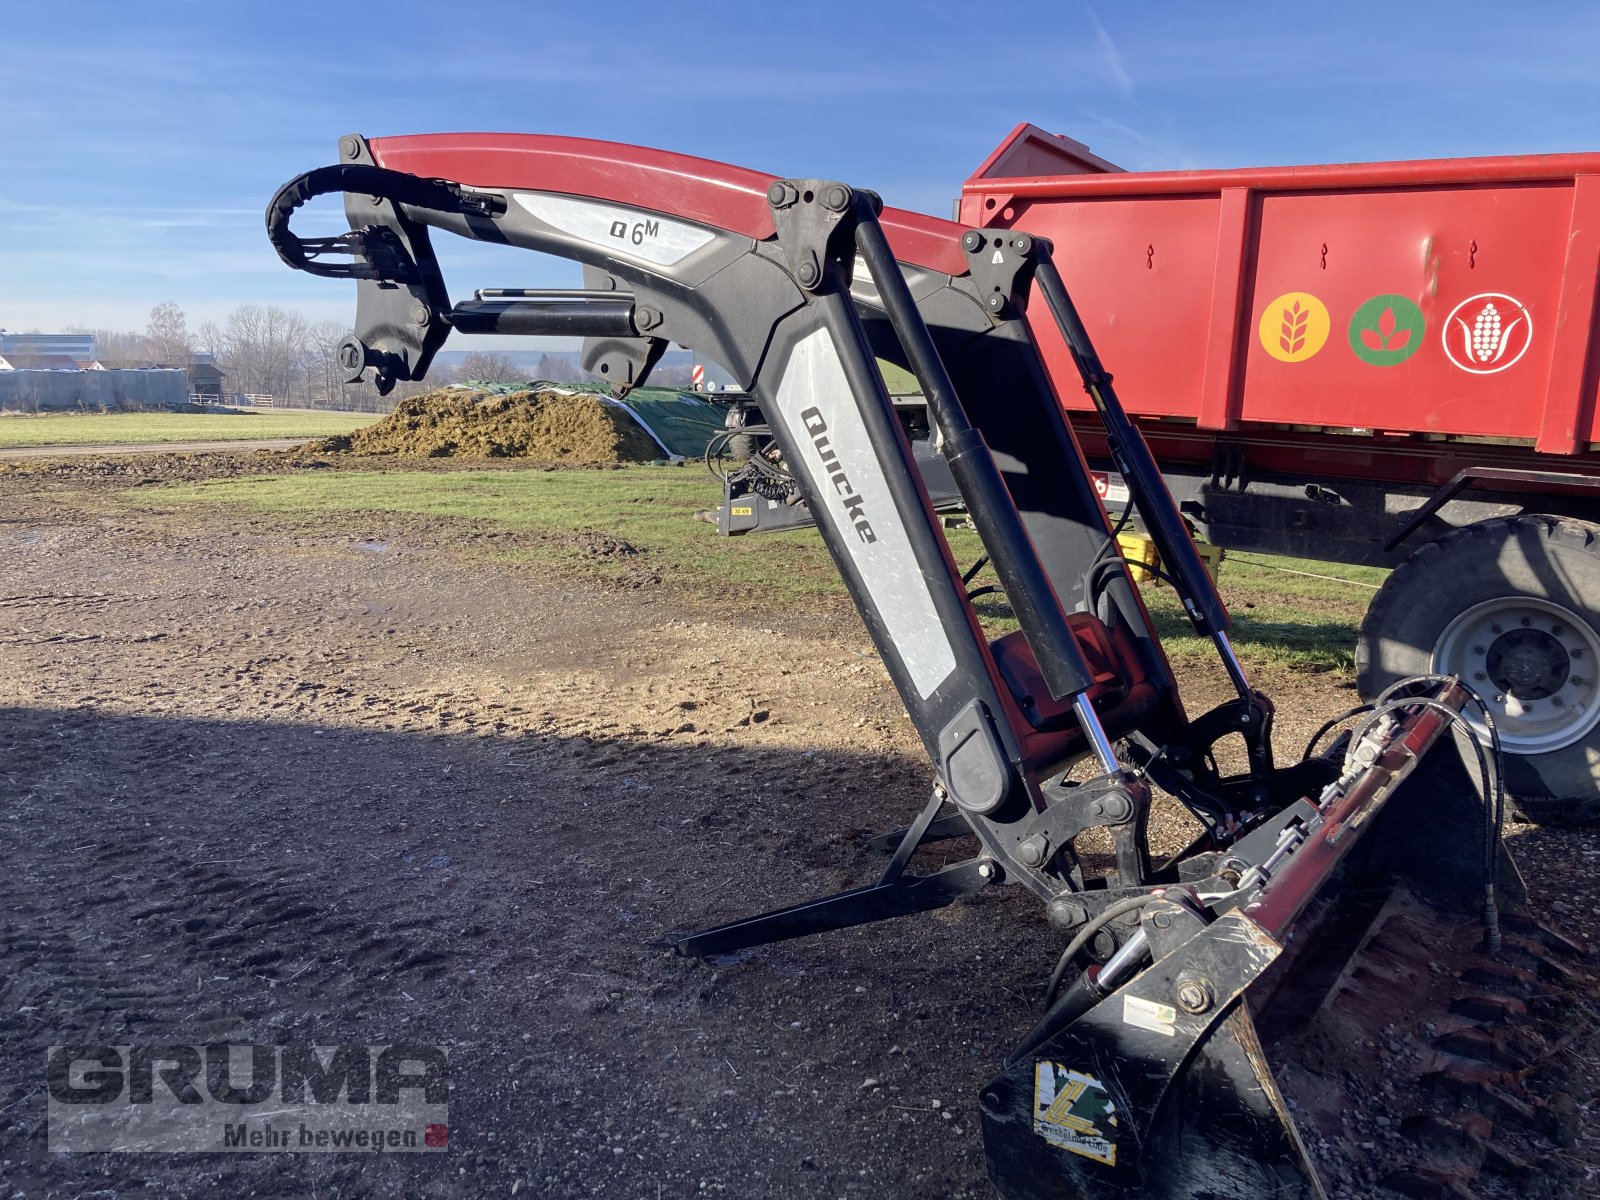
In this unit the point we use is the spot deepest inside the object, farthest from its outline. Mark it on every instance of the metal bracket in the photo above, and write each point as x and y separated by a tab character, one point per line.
1252	721
1171	920
1474	476
1230	466
816	223
399	327
623	362
1177	1028
1113	801
1001	264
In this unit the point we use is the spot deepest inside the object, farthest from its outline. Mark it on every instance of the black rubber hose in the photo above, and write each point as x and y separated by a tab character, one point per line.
438	194
1099	569
1109	546
1496	816
1329	724
1496	751
1099	922
1494	810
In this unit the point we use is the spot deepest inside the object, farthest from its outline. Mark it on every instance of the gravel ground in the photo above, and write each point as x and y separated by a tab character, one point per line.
309	785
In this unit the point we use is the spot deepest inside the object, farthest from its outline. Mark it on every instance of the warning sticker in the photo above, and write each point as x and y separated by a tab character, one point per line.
1074	1111
1110	487
1294	327
1147	1014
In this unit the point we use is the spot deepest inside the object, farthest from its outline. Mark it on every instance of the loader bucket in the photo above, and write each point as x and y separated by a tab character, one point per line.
1342	1029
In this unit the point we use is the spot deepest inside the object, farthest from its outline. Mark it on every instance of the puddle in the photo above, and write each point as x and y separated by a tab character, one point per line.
373	546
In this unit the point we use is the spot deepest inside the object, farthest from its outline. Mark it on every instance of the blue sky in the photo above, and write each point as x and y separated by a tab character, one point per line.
140	142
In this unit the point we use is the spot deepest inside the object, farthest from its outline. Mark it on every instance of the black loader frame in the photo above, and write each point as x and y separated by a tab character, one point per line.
1145	1077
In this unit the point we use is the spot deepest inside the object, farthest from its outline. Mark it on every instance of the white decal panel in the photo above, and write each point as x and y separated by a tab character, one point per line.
617	230
1148	1015
819	412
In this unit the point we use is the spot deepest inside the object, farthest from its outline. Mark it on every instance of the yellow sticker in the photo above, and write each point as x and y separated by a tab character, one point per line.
742	512
1294	327
1074	1111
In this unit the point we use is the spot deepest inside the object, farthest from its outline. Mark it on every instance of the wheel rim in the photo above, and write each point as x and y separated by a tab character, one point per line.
1535	665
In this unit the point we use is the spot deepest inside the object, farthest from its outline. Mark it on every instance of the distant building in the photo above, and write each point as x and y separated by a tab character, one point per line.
35	345
43	362
205	377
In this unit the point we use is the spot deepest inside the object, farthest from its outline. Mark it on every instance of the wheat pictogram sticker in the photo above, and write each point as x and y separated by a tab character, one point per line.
1293	337
1294	327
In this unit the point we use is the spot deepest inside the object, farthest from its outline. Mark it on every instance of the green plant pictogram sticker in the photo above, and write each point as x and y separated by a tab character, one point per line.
1386	330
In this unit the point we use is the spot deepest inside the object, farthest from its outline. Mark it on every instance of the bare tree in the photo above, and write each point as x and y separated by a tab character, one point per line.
673	375
326	376
208	339
484	367
118	348
557	368
168	336
265	351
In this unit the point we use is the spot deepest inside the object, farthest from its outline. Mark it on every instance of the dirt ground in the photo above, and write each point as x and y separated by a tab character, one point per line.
322	784
13	453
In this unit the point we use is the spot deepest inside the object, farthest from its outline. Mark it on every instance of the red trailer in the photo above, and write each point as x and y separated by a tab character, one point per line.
1387	363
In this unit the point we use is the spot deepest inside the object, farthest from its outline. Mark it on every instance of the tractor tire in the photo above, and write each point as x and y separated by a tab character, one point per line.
1512	606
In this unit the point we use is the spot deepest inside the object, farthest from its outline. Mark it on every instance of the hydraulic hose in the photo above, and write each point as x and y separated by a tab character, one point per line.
396	186
1492	786
1085	936
1322	730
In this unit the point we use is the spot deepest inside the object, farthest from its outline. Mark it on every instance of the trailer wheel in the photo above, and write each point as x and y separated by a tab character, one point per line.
1513	607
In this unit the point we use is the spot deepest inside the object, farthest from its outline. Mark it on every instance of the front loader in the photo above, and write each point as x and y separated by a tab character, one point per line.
1344	937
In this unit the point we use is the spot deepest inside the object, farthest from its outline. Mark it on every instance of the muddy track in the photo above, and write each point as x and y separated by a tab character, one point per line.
241	446
320	786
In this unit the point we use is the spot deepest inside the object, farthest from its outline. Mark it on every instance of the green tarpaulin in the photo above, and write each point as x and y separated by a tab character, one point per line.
681	422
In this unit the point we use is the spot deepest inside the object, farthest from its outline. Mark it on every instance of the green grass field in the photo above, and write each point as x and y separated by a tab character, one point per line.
1280	616
651	508
105	429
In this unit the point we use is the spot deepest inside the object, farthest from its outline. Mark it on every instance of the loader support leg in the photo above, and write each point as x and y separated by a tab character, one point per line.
895	895
951	825
860	906
915	833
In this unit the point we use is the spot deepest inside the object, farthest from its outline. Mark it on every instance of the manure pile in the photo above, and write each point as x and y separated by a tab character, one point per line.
543	424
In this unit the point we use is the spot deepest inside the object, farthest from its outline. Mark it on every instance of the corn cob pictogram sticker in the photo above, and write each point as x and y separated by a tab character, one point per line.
1486	333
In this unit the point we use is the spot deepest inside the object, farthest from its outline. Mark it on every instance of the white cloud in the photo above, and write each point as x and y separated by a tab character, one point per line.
1110	57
